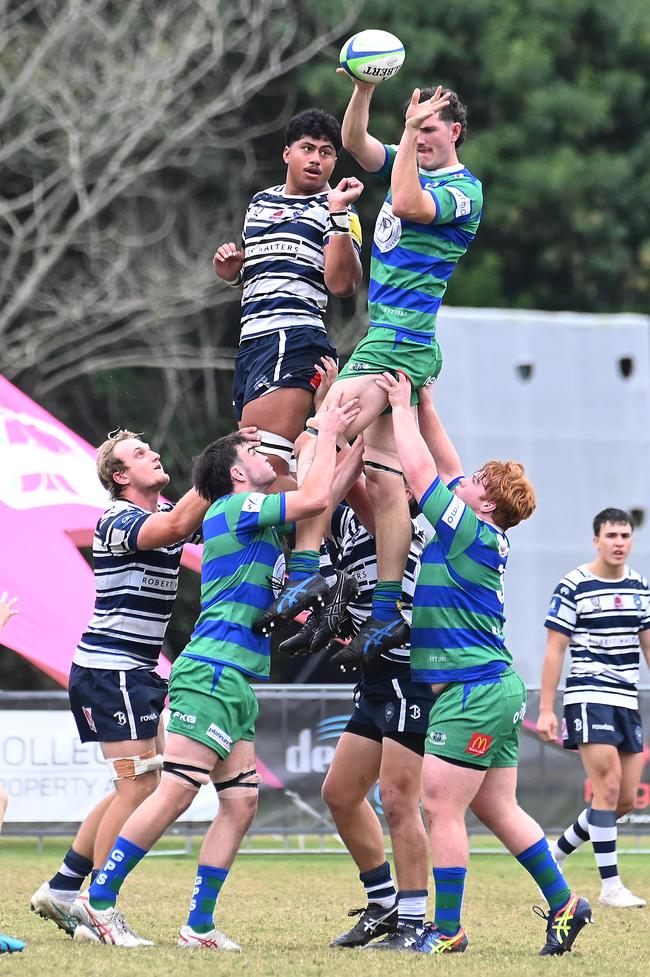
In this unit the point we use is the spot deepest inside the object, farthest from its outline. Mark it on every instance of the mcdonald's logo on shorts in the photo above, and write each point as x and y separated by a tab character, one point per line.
479	744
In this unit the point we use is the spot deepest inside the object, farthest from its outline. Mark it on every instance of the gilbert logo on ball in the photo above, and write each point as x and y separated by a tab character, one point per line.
372	56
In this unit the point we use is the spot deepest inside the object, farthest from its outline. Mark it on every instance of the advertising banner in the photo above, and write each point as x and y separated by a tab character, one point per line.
51	777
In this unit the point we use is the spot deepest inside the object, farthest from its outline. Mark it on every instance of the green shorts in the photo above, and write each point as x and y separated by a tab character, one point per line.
212	704
380	351
477	724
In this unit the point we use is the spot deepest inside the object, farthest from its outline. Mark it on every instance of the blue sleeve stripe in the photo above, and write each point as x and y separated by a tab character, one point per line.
432	488
283	508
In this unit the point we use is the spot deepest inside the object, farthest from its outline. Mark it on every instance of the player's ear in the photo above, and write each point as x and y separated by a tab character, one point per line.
285	153
121	478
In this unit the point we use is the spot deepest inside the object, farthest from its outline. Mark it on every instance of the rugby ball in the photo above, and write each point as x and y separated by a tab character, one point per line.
372	56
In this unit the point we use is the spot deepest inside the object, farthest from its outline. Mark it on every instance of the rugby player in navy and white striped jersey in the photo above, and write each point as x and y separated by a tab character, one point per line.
116	695
301	241
601	612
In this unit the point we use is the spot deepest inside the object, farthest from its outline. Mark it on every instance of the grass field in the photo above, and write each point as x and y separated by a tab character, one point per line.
284	910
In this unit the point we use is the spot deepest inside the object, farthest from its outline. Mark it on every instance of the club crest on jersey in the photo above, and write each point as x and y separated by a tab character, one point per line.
618	602
638	603
595	603
388	229
389	711
281	214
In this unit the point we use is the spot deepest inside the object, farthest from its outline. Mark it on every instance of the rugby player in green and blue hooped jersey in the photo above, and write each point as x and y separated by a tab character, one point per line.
210	736
429	219
457	646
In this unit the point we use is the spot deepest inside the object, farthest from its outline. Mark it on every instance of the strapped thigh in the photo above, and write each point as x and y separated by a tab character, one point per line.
191	776
246	782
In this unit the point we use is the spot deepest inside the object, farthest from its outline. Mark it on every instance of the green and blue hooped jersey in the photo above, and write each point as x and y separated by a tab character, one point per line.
412	263
458	615
242	553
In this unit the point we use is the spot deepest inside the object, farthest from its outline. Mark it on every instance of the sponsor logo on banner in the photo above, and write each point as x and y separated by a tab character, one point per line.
305	756
479	744
219	736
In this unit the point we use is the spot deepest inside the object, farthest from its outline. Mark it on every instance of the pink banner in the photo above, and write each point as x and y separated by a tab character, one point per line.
50	500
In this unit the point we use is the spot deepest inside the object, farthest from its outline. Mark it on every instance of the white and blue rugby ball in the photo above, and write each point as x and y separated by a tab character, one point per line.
372	56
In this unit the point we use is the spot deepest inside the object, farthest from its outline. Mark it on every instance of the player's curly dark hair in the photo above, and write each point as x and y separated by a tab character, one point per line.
454	112
211	469
315	123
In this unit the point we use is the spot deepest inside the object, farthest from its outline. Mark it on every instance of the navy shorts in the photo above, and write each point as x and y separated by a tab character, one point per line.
282	359
593	722
394	708
110	706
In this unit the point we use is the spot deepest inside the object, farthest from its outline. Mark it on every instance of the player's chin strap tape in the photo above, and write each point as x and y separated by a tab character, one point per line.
383	468
247	782
130	767
188	775
273	444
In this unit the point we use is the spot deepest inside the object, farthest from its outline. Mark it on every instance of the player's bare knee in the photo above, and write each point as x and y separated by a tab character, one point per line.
398	805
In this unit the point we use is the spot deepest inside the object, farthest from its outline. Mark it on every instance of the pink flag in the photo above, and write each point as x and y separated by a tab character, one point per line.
50	500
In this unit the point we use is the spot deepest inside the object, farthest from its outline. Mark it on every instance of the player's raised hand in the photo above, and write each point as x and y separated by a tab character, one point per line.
7	608
547	726
398	390
228	261
328	372
345	192
418	112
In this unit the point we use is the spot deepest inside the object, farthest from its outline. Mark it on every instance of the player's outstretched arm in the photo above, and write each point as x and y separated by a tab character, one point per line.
315	492
409	200
415	458
368	151
556	645
437	440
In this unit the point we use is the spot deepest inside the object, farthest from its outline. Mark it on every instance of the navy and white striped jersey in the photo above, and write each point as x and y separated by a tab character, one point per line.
357	556
603	619
135	595
284	264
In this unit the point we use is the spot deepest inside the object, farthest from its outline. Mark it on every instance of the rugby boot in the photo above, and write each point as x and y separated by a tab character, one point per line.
45	904
620	898
214	940
433	940
9	944
335	612
103	925
300	642
374	638
563	925
373	921
295	597
403	938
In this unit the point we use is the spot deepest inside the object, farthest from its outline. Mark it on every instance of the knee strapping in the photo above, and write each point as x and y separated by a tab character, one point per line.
245	782
130	767
273	444
191	776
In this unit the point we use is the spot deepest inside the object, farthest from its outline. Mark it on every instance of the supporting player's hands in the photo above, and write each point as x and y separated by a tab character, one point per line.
398	390
547	726
250	434
418	112
334	418
7	608
328	373
345	192
228	261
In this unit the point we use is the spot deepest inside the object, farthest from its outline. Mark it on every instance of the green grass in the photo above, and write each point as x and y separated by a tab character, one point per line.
284	910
